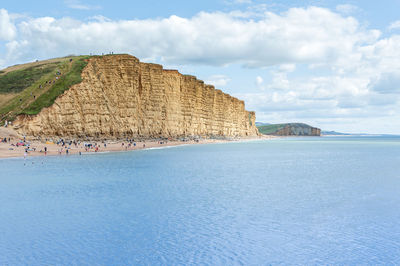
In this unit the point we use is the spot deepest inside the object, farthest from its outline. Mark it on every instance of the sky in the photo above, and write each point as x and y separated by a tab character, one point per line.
329	63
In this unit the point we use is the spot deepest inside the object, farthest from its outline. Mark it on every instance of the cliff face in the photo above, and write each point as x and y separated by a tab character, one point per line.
296	130
122	97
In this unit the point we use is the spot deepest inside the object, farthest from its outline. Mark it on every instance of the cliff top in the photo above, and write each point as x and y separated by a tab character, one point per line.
26	89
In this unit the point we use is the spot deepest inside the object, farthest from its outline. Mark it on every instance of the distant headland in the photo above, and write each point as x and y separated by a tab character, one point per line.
288	129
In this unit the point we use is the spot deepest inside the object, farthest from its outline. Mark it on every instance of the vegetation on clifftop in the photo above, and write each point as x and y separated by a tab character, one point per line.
27	89
66	81
18	80
272	129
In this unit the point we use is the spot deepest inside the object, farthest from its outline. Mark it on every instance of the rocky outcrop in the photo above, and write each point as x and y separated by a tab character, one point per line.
298	130
119	97
288	129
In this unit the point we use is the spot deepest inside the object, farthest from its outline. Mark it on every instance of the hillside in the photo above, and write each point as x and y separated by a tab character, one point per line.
28	88
289	129
117	96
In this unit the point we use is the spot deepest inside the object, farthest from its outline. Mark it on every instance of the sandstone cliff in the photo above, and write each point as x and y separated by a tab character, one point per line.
119	97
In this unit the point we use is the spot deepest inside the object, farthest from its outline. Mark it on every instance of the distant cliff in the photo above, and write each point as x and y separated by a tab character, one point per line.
289	129
119	97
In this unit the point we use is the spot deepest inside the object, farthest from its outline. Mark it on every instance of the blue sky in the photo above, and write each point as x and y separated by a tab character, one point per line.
332	64
378	13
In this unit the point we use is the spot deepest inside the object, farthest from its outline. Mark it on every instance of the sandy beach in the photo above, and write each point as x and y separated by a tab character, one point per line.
16	147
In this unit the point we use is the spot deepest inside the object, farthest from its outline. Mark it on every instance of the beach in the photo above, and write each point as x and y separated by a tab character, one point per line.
31	147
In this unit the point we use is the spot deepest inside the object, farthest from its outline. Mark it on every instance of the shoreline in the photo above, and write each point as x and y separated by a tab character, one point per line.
37	148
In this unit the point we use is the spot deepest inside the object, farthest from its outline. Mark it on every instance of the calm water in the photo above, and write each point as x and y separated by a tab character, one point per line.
333	200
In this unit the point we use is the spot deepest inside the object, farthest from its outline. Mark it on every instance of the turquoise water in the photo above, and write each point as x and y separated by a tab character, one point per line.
332	200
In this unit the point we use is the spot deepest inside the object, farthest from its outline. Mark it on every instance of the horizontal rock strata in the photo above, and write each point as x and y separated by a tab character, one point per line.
120	97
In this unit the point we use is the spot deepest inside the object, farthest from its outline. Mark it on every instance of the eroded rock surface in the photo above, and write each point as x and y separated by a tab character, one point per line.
122	97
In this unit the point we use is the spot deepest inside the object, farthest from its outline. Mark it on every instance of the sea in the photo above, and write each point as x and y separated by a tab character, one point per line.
288	201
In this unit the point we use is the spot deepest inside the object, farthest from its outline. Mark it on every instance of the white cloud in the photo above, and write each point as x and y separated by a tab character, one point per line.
259	81
347	8
321	65
230	2
99	18
387	83
287	67
7	28
217	80
243	1
395	25
76	4
301	35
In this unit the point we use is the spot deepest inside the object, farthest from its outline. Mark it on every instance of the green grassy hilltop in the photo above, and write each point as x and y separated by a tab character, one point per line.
288	129
28	88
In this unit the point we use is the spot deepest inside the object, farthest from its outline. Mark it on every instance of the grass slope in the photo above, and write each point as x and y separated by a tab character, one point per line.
270	129
42	89
47	99
17	81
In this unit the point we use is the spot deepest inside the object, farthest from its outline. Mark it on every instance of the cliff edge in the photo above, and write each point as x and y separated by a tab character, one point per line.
120	97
